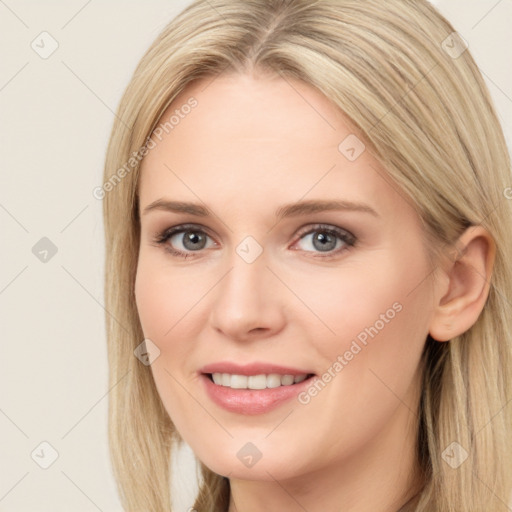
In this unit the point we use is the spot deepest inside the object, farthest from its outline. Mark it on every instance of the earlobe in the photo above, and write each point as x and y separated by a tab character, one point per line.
460	303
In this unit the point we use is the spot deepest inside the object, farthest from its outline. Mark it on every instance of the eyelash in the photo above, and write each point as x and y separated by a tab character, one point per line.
345	236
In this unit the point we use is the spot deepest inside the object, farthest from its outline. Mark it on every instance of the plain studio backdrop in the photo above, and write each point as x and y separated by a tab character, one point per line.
64	67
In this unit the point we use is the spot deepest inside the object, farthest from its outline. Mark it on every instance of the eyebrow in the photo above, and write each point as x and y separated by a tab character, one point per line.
287	210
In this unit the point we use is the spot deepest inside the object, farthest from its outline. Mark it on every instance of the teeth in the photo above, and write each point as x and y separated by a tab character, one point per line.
272	380
255	381
288	380
239	381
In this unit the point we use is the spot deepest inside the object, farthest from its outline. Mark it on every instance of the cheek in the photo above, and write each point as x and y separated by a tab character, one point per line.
162	306
169	307
380	317
164	298
378	298
154	302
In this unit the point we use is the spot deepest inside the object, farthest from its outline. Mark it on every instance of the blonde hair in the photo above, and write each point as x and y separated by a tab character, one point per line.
428	118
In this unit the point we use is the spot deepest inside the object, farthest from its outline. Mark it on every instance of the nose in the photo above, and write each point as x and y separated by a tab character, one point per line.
247	303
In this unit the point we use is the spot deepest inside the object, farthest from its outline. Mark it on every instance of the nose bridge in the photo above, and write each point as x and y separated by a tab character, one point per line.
246	299
243	289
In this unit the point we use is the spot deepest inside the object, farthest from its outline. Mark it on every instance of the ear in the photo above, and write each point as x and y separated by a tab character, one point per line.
464	292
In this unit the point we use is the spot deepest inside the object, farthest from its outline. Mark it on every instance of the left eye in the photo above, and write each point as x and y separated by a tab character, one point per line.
322	239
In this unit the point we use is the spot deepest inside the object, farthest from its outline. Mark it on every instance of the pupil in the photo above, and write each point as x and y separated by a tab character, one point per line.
191	239
323	241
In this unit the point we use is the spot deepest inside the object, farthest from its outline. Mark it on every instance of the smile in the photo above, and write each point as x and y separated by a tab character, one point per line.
254	388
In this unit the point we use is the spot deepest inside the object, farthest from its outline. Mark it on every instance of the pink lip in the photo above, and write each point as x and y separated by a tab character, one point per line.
251	401
251	369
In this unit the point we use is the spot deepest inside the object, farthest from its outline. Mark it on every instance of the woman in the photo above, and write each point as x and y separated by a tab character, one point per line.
308	243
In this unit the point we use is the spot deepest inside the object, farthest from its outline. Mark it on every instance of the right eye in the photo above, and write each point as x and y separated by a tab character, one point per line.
184	240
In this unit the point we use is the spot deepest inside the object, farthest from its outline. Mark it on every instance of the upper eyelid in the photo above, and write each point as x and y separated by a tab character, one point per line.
180	228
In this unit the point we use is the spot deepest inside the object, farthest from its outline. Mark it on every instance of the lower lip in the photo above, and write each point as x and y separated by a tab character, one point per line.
252	401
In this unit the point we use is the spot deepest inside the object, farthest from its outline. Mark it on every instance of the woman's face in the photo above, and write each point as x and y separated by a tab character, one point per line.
293	255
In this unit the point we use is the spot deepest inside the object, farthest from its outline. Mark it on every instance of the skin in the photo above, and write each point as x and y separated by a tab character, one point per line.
252	144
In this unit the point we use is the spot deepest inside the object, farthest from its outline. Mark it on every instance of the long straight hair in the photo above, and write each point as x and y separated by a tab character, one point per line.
399	71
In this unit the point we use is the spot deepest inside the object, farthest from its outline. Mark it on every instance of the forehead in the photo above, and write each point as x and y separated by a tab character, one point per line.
257	139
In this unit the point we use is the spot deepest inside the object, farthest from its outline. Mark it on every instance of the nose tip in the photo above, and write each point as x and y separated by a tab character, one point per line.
246	302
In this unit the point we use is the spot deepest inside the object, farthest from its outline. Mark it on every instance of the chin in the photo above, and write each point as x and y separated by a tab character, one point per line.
245	461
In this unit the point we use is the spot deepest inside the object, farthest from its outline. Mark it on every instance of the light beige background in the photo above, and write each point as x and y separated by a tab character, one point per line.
56	115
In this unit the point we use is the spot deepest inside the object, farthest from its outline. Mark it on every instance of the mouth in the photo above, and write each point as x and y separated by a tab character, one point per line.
255	388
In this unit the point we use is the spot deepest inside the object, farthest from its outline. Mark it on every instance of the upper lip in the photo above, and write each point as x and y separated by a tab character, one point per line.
255	368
